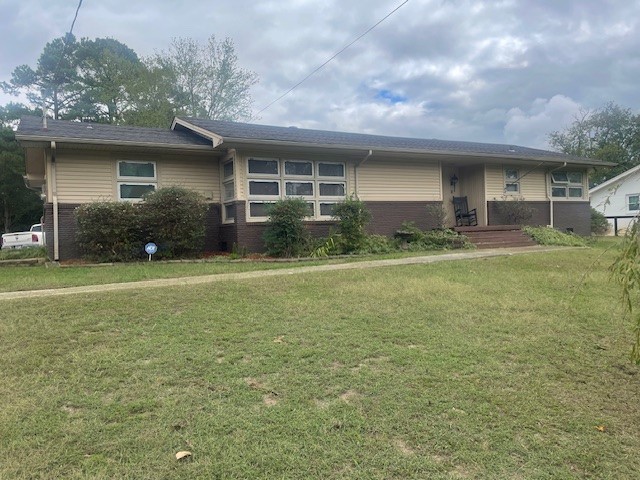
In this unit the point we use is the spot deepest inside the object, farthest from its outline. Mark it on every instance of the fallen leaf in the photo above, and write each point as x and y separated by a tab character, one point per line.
601	428
182	455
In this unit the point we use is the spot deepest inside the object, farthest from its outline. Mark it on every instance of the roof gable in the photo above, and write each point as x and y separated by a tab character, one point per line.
615	180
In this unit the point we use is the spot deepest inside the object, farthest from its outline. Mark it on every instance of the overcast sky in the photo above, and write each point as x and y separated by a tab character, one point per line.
490	71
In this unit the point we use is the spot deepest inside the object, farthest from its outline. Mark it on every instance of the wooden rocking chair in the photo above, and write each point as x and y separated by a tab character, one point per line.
464	216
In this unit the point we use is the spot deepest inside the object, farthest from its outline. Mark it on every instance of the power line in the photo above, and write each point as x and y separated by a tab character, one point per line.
75	17
329	60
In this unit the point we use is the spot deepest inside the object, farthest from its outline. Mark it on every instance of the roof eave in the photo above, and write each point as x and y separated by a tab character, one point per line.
539	158
96	141
215	139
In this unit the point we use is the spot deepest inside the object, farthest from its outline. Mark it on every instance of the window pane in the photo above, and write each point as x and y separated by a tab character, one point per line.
634	202
332	189
229	191
298	168
135	191
311	207
259	209
559	177
230	211
135	169
575	177
575	192
326	209
264	188
558	191
299	188
330	170
511	187
266	167
511	174
228	169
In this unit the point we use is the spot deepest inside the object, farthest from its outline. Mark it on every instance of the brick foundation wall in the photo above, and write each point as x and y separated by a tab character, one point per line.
212	228
540	214
387	217
67	228
573	215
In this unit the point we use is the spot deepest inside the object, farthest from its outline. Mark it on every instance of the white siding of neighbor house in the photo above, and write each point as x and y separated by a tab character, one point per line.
612	200
399	180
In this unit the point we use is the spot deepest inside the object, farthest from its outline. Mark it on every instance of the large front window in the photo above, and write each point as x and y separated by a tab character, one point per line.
135	179
321	184
566	185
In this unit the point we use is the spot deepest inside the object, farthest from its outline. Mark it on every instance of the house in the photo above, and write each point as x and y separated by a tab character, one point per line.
240	168
618	197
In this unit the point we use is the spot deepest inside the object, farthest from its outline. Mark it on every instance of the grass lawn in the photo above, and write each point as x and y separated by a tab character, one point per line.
495	368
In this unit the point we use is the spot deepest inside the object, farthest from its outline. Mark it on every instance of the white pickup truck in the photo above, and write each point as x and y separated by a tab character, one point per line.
33	238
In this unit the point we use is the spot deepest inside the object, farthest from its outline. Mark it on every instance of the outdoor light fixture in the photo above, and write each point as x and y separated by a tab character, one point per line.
453	181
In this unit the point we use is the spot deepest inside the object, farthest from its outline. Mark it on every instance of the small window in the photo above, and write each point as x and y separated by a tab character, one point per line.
263	166
298	168
633	203
559	177
134	191
229	190
259	209
230	211
511	180
559	192
331	170
332	189
227	170
326	209
575	192
567	185
136	169
264	188
299	189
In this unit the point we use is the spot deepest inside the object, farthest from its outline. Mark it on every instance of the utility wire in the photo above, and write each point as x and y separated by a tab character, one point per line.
329	60
75	17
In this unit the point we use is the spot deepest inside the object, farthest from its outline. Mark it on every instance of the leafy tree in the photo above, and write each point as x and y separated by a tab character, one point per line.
213	84
285	235
11	113
20	206
54	82
611	133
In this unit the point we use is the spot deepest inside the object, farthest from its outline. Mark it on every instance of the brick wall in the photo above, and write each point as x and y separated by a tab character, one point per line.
387	217
575	215
67	228
540	214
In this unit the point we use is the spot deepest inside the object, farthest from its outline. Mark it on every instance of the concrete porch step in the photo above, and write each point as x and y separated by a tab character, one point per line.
496	236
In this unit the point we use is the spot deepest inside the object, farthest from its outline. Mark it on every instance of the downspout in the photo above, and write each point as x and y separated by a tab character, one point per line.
367	156
54	196
549	196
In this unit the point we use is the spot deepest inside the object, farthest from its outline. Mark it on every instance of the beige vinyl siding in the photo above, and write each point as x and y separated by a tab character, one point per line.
533	185
83	178
199	174
400	180
351	178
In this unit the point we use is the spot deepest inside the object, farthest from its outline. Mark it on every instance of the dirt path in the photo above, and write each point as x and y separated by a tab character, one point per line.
225	277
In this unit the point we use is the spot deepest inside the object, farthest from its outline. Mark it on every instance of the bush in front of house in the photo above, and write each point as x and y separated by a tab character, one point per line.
352	217
109	231
516	211
599	223
285	235
174	219
551	236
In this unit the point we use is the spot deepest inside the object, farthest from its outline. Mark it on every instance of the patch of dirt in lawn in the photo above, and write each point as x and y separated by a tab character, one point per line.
71	409
372	363
254	383
349	396
270	399
403	447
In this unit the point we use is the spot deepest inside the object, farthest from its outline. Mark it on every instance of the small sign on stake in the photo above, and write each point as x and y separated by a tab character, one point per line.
150	248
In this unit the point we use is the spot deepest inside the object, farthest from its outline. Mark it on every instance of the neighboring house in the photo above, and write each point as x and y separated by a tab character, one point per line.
240	168
618	197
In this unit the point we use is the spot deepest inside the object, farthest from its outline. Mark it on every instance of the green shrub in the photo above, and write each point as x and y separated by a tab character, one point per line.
174	219
442	239
376	244
551	236
352	216
437	215
409	233
599	223
515	212
109	231
20	253
285	235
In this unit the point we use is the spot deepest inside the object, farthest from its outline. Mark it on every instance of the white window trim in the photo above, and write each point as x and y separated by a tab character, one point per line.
568	185
627	202
225	181
134	180
508	181
283	178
